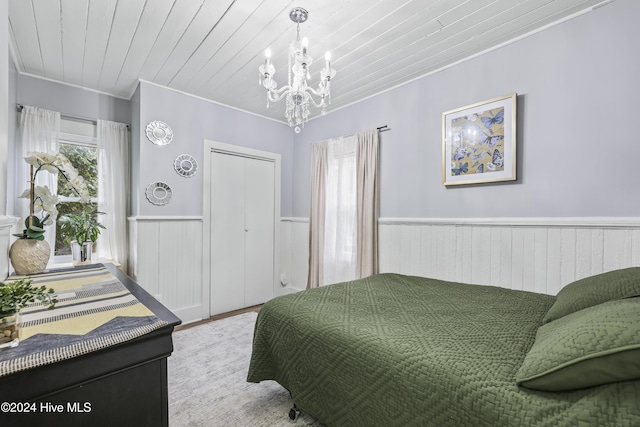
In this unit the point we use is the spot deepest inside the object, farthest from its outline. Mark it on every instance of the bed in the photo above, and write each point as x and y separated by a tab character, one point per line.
395	350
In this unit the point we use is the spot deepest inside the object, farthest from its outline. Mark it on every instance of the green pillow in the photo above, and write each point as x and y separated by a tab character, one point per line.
594	346
595	290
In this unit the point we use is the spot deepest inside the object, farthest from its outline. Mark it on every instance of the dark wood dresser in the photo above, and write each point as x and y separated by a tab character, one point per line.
122	385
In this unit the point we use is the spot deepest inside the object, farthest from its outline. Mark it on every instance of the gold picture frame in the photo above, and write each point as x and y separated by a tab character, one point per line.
479	142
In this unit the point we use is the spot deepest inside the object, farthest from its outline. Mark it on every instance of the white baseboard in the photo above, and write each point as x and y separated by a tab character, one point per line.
189	314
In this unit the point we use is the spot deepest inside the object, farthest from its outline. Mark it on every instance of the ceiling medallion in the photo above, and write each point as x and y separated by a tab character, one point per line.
297	93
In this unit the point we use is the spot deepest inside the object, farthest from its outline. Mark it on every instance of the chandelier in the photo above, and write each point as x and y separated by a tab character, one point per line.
298	94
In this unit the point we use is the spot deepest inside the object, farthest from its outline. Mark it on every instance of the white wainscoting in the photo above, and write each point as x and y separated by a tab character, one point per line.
6	222
533	254
165	258
294	252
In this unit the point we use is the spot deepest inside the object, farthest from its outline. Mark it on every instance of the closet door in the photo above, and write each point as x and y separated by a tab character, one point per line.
259	232
242	231
227	232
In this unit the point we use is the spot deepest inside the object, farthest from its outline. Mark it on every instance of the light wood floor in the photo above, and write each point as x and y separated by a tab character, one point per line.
255	308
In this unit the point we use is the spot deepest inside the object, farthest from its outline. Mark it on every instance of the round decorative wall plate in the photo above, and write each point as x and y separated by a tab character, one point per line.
158	193
159	133
185	165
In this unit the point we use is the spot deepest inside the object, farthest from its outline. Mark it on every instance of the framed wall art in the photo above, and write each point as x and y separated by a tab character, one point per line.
479	142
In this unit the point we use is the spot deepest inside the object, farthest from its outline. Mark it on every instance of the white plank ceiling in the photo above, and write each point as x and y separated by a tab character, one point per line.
212	48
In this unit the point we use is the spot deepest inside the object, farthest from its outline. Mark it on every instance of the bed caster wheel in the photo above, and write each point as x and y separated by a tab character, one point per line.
294	413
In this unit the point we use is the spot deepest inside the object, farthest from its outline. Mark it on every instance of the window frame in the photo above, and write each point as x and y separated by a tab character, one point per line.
81	133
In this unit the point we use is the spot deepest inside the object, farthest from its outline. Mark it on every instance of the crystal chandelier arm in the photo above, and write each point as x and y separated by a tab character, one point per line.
322	93
276	95
322	102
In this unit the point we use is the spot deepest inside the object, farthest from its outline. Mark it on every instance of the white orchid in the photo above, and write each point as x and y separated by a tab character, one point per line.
33	160
53	215
37	159
43	202
50	168
81	187
40	194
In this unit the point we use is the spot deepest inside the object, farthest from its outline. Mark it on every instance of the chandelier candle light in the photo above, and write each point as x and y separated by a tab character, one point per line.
297	93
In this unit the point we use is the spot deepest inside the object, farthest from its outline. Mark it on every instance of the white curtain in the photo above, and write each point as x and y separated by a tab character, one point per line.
113	190
39	129
316	218
367	204
343	220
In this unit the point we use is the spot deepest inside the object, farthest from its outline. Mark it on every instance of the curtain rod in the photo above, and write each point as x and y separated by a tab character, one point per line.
383	128
19	107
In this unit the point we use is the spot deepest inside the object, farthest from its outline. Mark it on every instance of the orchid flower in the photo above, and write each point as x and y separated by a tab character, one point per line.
42	201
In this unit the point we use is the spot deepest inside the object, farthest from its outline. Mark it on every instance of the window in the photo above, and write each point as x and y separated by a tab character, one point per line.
340	216
341	207
78	143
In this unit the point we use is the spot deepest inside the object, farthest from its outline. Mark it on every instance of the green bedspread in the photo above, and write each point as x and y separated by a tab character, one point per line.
393	350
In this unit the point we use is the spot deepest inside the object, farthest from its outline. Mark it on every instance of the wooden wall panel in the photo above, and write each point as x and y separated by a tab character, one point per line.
533	254
294	254
168	262
5	243
538	254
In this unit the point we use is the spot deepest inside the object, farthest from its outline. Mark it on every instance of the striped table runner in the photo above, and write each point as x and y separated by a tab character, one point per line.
94	311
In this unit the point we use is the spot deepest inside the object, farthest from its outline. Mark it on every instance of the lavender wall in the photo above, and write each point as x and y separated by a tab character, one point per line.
71	100
12	130
193	120
578	91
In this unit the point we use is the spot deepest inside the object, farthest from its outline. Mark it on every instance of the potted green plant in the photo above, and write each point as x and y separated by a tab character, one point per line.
14	296
81	231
